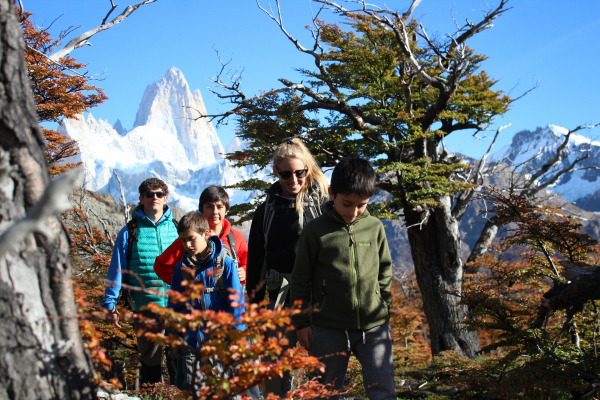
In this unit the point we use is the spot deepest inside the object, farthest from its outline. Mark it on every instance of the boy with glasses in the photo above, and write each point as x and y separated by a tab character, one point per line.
150	231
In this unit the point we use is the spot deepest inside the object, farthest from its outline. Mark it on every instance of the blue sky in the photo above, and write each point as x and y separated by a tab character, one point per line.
550	42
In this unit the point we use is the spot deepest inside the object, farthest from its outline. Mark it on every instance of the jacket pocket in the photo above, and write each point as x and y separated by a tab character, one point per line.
377	309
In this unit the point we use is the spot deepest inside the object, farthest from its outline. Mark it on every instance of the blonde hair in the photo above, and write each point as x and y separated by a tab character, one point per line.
315	178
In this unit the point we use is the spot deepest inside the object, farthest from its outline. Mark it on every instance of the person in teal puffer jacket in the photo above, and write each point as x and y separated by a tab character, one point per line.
153	231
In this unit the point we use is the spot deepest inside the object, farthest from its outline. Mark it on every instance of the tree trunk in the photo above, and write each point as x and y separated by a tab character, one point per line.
436	250
41	351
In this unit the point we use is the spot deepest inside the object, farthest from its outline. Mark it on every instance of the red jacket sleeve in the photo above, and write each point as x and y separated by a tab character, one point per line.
242	250
164	265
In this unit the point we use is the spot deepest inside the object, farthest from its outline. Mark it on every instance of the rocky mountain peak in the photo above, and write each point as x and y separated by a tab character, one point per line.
168	141
529	151
118	126
169	105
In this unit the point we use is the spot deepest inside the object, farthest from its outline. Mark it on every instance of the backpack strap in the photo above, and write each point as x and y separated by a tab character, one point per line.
267	221
133	236
232	245
310	205
132	231
218	276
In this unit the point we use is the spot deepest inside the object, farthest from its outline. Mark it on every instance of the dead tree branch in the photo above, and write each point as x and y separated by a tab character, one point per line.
53	202
583	285
82	40
532	186
123	200
464	199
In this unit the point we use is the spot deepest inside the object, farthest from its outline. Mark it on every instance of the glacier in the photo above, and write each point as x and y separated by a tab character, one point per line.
168	141
529	151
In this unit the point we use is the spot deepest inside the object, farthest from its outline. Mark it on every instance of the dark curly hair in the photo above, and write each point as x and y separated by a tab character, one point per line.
153	184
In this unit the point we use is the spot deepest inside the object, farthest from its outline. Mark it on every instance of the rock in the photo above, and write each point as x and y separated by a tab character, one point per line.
102	394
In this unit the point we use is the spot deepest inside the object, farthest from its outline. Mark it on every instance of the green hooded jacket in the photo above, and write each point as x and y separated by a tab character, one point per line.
345	269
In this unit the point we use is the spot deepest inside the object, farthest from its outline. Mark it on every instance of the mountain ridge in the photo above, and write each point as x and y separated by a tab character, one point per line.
529	151
164	132
168	141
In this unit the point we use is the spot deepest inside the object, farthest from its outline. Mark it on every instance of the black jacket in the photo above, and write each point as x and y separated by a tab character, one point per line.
282	239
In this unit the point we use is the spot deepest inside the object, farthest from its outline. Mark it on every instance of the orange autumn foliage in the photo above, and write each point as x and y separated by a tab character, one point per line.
60	89
408	323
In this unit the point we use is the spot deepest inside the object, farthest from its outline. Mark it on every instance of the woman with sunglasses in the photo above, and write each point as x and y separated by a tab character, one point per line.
292	201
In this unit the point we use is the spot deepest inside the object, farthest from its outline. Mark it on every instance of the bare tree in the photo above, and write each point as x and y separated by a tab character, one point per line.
42	351
531	181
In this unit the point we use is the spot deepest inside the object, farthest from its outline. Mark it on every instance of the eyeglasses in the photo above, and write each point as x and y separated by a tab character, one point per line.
285	175
150	195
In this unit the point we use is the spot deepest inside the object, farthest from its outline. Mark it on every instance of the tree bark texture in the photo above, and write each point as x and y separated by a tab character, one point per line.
41	351
436	249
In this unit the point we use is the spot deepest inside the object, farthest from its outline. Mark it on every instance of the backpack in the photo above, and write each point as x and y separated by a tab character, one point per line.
219	267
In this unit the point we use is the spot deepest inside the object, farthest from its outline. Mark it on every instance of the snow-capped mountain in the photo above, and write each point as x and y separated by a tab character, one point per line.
167	141
529	151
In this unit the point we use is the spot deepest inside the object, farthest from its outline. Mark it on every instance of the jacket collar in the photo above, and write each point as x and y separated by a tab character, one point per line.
216	252
226	228
138	213
276	194
332	214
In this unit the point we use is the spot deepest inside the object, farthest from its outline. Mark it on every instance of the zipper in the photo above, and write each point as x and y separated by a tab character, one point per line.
323	294
354	263
158	237
355	270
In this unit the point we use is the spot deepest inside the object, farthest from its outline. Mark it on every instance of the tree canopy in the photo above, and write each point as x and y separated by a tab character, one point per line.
386	90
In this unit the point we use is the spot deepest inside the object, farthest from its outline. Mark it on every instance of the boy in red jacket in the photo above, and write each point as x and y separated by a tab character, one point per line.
214	204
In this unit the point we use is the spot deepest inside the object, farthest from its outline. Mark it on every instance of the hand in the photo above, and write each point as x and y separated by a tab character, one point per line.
304	337
241	274
114	314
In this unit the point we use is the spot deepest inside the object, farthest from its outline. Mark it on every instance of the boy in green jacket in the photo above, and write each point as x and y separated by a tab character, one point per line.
343	266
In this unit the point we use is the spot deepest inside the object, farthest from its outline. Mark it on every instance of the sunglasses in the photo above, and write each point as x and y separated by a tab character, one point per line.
150	195
285	175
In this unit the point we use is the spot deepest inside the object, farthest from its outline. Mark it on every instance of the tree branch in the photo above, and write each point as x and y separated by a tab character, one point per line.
123	200
406	15
53	202
112	8
82	40
484	24
317	55
462	203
